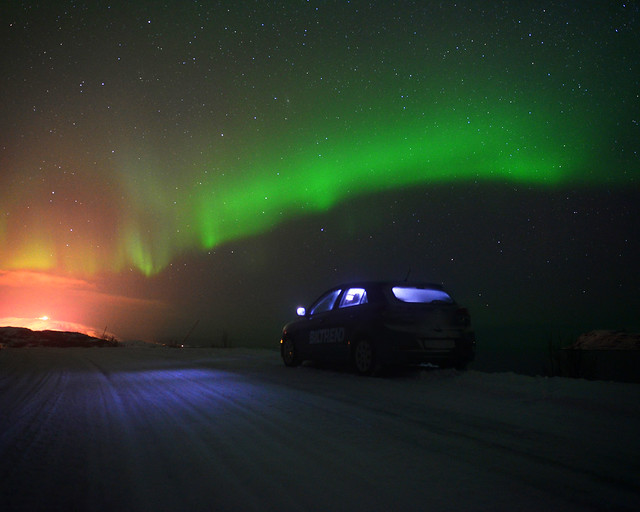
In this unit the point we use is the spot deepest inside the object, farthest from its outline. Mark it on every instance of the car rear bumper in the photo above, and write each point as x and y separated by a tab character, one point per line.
440	351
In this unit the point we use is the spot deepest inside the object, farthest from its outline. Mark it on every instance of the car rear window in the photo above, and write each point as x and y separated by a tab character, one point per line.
421	295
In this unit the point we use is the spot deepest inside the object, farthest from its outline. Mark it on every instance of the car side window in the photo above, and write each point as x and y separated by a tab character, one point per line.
353	297
325	303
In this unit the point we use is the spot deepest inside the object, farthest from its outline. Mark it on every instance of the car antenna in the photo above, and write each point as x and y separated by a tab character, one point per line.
406	278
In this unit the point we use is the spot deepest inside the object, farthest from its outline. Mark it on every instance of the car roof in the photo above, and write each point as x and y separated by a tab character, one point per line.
387	284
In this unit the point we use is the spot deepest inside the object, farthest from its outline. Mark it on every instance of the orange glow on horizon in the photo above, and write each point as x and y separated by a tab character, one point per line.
60	302
42	301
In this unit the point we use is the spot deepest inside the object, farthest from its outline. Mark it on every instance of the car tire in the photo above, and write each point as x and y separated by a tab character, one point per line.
364	358
290	353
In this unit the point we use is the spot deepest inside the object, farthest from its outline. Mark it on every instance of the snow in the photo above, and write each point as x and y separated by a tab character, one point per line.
233	429
607	340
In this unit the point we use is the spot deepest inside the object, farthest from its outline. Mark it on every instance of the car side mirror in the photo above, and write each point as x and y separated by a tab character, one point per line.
301	311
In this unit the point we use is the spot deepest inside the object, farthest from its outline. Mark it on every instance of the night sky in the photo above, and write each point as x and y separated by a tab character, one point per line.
199	169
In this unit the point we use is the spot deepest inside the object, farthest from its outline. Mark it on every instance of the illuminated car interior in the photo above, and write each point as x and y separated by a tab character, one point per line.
354	297
420	295
325	303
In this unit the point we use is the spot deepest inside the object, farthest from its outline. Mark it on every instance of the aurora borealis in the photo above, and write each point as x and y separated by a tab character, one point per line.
169	152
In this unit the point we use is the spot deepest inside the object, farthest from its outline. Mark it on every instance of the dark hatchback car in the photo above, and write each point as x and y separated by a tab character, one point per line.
377	324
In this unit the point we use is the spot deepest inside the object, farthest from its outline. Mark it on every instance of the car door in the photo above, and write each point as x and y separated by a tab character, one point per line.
321	331
344	321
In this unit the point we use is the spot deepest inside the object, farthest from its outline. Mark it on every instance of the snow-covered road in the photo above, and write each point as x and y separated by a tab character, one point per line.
206	429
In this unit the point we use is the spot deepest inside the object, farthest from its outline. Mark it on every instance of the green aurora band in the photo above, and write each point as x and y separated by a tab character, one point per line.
519	150
156	209
127	148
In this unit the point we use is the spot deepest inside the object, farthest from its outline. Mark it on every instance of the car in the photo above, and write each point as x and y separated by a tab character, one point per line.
375	324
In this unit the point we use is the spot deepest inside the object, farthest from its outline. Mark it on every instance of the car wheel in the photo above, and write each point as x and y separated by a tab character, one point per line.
290	353
364	358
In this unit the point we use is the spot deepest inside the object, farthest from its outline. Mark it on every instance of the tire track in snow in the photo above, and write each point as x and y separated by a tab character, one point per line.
201	430
514	447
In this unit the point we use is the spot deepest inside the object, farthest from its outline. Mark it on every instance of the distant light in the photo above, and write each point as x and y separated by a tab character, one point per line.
301	311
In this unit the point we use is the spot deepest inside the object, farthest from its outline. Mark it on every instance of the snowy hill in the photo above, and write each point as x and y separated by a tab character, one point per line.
17	337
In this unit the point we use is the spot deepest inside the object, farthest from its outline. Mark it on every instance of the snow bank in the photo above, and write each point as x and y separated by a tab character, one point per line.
601	355
607	340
